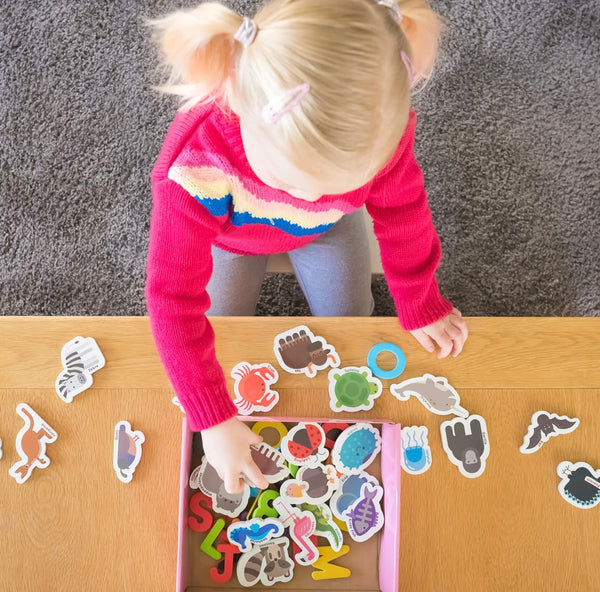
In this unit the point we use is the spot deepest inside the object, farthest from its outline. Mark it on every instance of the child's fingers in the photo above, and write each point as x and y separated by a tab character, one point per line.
253	474
424	340
445	342
255	439
458	339
232	482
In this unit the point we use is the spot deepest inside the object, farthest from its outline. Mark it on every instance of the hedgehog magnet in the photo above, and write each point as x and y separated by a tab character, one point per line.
365	516
353	389
434	392
313	485
356	448
31	444
467	444
543	426
299	351
580	484
304	445
80	358
252	387
127	450
416	453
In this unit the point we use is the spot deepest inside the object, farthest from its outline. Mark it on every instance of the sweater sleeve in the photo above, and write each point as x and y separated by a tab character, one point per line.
178	269
410	248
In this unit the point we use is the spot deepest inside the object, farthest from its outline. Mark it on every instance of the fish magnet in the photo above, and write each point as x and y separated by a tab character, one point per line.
313	485
127	450
299	351
31	444
466	443
270	462
267	562
356	448
580	484
365	517
543	426
434	392
353	389
252	387
304	445
249	532
349	491
80	358
301	526
416	453
206	478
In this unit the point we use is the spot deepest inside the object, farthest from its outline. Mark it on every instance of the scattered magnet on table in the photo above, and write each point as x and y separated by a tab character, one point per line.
348	492
356	448
543	426
353	389
395	351
252	387
31	444
127	450
416	453
580	484
325	524
267	562
466	443
298	351
313	485
301	526
434	392
270	462
80	358
257	530
365	517
304	445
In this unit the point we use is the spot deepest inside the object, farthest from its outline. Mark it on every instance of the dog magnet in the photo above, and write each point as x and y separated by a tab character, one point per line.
313	485
80	358
249	532
127	450
543	426
304	445
356	448
434	392
299	351
416	453
267	562
31	444
466	443
353	389
365	517
580	484
252	387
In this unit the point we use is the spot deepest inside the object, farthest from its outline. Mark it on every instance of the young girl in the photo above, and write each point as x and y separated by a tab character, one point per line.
293	120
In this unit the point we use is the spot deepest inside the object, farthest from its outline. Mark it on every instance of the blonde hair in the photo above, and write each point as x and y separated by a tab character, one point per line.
348	51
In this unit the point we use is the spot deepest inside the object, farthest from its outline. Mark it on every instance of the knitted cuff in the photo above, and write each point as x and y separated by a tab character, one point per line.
207	407
428	309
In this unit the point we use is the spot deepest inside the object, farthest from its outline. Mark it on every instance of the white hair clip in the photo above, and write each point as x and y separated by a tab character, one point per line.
393	6
276	108
246	32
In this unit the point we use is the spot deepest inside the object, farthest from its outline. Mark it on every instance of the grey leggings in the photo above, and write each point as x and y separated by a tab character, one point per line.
334	272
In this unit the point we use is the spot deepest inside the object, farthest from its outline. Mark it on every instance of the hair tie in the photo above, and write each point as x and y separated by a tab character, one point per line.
276	108
246	32
393	6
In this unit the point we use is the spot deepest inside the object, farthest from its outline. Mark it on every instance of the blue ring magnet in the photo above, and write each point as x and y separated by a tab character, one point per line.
393	349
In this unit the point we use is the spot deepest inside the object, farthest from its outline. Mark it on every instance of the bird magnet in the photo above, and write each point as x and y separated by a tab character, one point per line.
466	443
365	516
304	445
257	530
356	448
543	426
580	484
270	462
267	562
299	351
252	387
353	389
313	485
31	444
416	453
349	491
433	392
127	450
302	526
80	358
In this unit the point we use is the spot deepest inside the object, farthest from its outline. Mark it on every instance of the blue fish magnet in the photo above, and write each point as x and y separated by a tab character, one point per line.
356	448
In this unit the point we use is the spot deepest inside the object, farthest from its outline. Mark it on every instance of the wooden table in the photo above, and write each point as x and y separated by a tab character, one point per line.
75	526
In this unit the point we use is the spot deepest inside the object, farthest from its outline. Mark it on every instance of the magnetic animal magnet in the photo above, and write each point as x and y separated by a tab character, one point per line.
80	358
270	462
252	387
466	443
299	351
206	478
312	485
434	392
325	525
356	448
31	444
543	426
365	517
301	526
349	491
395	351
304	444
257	530
267	562
353	389
127	450
580	484
416	453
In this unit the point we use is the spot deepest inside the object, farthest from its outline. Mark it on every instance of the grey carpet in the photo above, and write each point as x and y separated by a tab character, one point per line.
508	139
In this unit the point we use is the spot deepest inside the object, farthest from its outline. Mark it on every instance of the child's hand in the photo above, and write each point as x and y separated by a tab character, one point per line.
450	333
227	448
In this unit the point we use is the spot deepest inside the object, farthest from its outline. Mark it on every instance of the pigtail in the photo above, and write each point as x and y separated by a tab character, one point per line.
199	51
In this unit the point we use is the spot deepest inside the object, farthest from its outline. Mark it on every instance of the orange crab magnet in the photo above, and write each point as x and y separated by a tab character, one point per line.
252	387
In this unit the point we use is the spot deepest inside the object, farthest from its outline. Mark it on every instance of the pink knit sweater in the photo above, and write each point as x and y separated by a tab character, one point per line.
205	193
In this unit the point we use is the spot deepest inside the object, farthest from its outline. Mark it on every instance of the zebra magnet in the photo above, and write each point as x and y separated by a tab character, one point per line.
127	451
80	358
